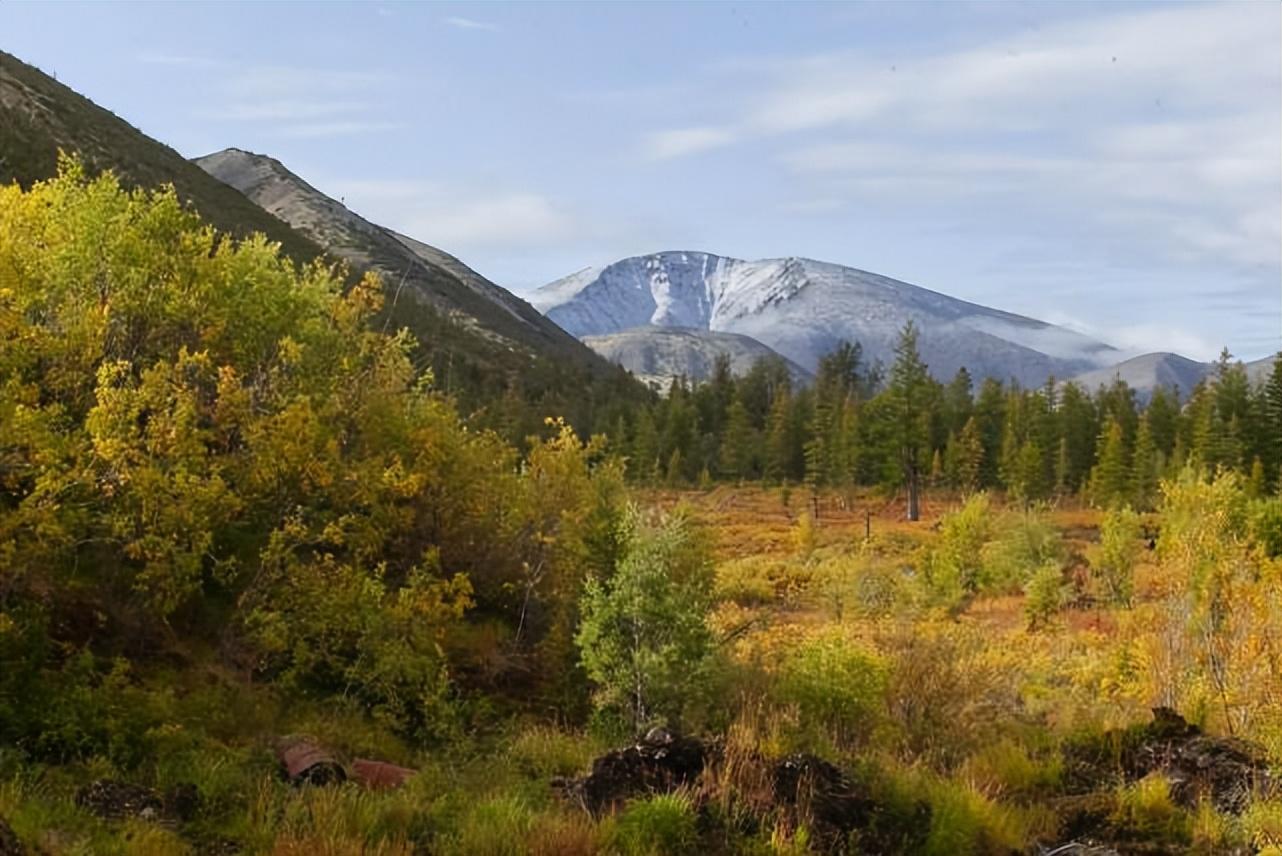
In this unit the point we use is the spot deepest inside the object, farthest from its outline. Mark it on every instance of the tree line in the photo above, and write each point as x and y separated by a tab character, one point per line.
860	423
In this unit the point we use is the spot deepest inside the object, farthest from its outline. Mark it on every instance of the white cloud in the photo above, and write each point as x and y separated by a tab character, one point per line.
306	130
686	141
469	24
297	101
460	218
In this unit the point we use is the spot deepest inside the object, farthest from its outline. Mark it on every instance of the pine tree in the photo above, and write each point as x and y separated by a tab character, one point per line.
1110	479
1145	466
779	438
990	417
970	458
1271	430
908	395
738	445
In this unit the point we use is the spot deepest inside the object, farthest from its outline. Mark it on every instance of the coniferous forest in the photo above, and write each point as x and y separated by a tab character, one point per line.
264	589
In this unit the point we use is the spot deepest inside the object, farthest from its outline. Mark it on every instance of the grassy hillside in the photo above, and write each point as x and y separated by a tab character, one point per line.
510	381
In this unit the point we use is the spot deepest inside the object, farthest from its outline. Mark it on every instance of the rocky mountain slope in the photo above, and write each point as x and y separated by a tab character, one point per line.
658	354
803	308
412	269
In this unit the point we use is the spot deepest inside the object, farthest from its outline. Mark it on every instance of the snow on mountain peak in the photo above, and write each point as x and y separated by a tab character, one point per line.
802	308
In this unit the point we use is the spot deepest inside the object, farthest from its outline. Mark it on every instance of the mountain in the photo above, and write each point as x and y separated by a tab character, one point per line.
416	270
656	355
803	308
39	116
1147	372
486	346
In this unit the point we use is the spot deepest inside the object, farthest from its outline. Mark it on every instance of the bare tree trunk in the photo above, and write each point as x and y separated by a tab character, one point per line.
914	489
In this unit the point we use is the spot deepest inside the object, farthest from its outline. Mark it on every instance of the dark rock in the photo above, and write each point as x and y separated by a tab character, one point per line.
9	843
182	802
819	795
1225	770
658	763
114	800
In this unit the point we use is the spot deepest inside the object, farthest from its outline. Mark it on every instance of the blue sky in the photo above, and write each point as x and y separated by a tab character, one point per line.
1114	167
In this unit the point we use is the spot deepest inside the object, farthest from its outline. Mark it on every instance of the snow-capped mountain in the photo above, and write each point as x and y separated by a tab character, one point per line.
659	354
803	308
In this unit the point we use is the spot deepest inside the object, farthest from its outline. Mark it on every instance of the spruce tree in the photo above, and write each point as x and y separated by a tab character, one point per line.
738	444
908	395
1110	479
1145	466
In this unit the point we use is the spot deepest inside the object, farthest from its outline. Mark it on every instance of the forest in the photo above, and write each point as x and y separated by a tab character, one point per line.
875	614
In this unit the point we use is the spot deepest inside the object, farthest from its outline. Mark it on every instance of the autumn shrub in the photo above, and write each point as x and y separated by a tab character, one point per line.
858	585
750	581
945	693
1113	561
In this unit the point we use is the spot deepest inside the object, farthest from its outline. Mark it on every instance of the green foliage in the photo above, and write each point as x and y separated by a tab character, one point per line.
1025	542
836	688
954	569
657	826
644	639
1045	594
1145	807
1114	559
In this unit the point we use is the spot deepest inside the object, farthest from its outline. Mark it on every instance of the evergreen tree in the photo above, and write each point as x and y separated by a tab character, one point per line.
1145	466
1271	430
908	396
990	416
779	439
739	444
1110	479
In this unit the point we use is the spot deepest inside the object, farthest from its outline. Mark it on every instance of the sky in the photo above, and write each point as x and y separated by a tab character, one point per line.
1113	167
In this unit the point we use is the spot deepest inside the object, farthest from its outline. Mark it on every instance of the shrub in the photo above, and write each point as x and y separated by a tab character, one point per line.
543	752
644	637
1045	595
836	687
1145	808
1114	559
749	581
953	569
661	825
1026	542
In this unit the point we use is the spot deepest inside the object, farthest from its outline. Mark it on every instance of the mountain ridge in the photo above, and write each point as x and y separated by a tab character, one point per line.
802	308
